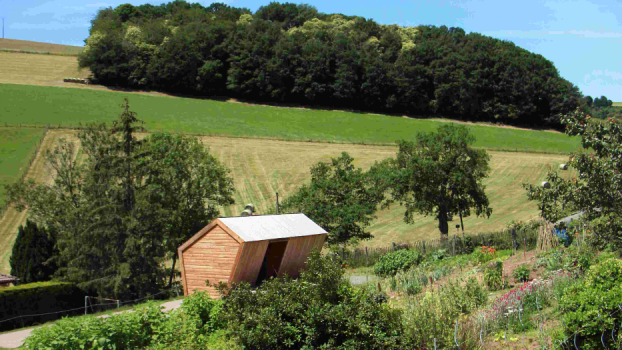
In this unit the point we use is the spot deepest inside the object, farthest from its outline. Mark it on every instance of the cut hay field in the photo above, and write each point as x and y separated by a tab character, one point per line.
53	105
262	167
617	104
39	47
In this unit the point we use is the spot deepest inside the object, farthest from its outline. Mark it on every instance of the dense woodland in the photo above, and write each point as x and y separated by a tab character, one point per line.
295	54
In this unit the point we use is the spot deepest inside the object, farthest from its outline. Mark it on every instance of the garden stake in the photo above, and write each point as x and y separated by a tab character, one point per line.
481	330
575	341
524	247
434	343
602	335
456	334
520	309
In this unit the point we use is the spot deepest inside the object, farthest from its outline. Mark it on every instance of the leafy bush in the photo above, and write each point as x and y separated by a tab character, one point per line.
493	275
592	307
389	264
38	298
318	310
484	254
433	315
190	326
521	273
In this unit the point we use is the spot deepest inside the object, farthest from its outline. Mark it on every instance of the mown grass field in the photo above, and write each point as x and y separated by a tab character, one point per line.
617	104
35	46
17	146
262	167
69	107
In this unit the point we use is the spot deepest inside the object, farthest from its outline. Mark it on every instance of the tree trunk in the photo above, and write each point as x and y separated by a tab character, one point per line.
461	223
442	220
170	281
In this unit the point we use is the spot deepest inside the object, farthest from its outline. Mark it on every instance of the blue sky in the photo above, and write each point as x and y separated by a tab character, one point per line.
582	38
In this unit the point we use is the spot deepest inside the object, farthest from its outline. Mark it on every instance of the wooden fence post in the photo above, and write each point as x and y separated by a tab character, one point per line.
366	254
393	246
454	245
423	247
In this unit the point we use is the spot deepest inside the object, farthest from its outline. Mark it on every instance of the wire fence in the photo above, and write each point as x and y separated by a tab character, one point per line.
25	320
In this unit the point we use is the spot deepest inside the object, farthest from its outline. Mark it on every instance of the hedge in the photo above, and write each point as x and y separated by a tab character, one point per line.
18	303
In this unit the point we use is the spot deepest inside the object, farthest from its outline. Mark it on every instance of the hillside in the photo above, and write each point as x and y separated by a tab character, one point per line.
39	47
71	107
260	168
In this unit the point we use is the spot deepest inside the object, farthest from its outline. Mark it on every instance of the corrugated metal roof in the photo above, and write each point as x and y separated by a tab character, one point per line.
264	227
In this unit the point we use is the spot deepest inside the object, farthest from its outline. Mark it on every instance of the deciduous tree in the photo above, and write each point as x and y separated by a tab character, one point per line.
341	199
440	174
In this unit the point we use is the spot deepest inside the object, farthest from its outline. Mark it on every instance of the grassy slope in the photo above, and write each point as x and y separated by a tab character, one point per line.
43	105
33	46
260	168
17	146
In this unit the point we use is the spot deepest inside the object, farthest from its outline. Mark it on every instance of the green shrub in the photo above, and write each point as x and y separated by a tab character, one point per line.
521	273
318	310
38	298
591	307
493	275
433	315
190	326
391	263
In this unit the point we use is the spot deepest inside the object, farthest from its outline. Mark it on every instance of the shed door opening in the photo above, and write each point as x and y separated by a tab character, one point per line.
271	261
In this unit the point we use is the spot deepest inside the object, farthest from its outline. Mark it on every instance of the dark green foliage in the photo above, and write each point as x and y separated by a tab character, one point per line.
340	198
391	263
318	310
439	174
291	52
33	256
38	298
592	306
188	327
521	273
602	102
121	210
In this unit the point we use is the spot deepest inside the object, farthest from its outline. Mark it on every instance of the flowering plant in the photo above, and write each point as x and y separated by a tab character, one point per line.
485	254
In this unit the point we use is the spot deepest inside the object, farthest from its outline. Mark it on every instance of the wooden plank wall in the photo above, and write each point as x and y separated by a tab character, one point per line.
249	264
212	258
296	254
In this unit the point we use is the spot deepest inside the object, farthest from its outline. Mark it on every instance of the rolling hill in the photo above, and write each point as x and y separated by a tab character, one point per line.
267	148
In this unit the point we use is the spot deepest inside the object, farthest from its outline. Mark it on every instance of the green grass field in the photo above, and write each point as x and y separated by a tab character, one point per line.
17	146
617	104
53	105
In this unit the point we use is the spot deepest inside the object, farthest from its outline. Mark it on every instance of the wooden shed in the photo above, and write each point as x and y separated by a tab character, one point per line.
248	248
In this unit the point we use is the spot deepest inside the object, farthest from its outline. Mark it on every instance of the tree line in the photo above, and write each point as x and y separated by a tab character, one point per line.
294	53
